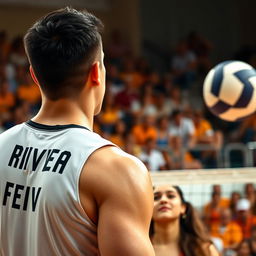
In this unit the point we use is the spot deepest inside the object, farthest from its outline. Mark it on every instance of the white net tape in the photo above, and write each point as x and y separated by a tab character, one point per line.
197	184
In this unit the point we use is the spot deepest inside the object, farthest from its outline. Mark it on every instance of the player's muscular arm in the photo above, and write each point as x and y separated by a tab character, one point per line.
124	198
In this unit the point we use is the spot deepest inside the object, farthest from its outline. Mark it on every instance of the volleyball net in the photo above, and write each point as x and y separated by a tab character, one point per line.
197	184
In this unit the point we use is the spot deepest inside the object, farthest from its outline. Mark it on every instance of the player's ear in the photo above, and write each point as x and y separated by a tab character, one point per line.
33	75
95	74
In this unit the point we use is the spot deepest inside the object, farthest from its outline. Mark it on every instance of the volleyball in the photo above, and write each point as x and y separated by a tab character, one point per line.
229	90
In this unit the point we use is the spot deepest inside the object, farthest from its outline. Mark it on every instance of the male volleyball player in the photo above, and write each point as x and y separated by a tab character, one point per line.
64	189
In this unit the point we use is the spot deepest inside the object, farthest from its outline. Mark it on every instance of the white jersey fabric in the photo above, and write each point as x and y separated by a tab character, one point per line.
40	212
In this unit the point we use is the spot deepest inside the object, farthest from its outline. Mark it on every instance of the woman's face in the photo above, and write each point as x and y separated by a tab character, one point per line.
167	204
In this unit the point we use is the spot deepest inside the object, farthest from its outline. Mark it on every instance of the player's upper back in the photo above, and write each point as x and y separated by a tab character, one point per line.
40	212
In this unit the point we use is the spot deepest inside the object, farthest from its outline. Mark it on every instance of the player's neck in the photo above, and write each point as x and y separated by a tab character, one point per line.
64	112
166	233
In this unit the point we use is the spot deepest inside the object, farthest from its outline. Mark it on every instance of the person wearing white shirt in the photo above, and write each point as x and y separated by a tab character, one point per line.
152	157
182	127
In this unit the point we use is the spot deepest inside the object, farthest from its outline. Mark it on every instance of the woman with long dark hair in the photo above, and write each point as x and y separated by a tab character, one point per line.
176	230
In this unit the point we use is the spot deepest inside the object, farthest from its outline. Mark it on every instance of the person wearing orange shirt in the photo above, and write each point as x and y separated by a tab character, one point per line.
7	99
212	210
205	135
110	114
203	129
244	217
29	91
227	230
224	202
130	75
204	132
146	130
118	136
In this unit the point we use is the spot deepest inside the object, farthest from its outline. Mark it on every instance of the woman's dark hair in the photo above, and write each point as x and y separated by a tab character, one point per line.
194	240
61	48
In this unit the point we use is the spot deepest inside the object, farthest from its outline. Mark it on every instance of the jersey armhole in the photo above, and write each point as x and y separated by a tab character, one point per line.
78	179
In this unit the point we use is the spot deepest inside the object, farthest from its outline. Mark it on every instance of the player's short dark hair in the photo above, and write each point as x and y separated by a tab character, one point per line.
61	48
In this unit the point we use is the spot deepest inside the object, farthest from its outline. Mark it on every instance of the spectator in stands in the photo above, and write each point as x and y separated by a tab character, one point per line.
184	64
202	48
250	194
223	201
229	231
181	159
176	101
167	85
183	127
235	196
211	211
17	55
162	104
8	72
119	134
244	248
162	132
245	219
145	130
20	113
204	135
176	229
109	115
152	157
146	105
7	99
154	79
114	82
29	91
131	147
163	143
127	97
130	75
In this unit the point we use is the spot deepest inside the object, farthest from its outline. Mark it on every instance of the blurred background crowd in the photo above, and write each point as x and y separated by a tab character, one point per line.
157	115
231	221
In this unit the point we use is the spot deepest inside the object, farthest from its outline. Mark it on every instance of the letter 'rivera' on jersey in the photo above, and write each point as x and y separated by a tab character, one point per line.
40	208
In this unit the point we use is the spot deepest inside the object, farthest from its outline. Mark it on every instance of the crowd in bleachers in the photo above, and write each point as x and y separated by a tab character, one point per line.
152	114
158	116
232	221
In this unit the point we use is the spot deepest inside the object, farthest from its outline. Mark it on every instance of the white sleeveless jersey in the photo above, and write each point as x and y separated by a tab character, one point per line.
40	212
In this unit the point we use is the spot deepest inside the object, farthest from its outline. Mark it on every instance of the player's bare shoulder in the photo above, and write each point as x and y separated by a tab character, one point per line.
109	173
111	164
